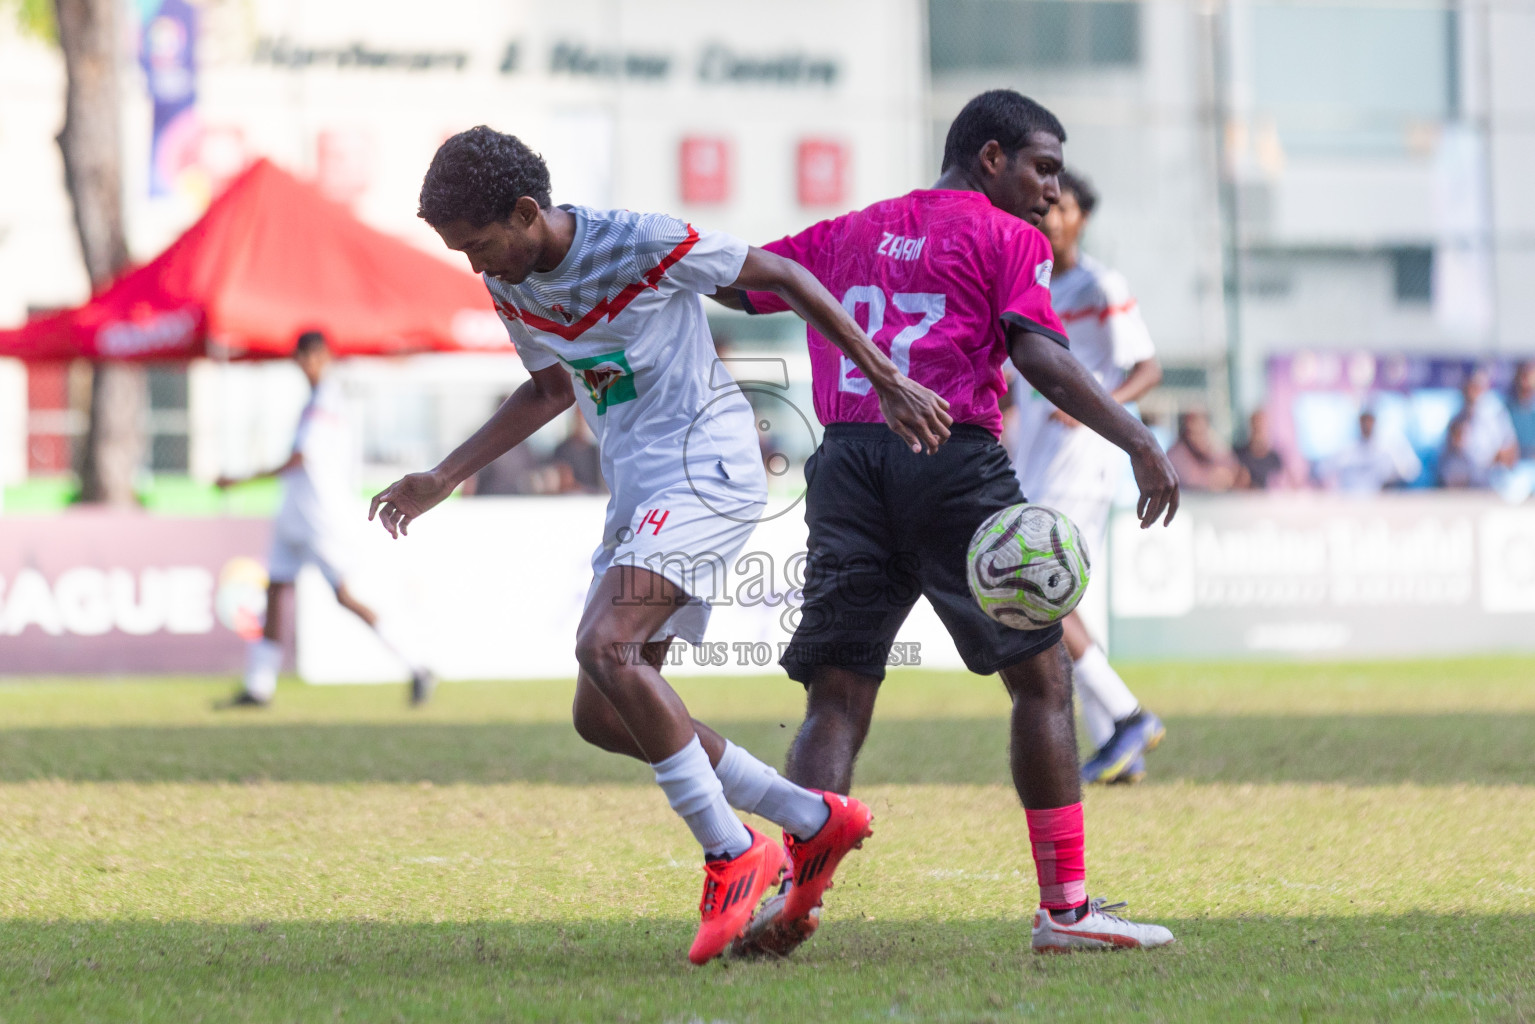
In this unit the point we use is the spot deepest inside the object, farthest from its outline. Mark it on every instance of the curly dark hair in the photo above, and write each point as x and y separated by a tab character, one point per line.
478	175
1003	115
1080	187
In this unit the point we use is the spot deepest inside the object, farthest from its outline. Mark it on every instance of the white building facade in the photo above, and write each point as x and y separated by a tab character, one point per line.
1276	174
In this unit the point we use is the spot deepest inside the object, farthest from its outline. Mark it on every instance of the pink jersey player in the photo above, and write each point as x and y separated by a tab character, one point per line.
935	276
950	281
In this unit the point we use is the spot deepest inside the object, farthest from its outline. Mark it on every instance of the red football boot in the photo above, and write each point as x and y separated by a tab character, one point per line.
732	889
815	859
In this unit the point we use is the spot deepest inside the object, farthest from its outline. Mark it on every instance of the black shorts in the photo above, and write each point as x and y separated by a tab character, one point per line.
888	525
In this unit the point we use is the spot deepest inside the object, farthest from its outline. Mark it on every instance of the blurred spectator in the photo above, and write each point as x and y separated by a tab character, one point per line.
1158	427
1457	466
1202	463
580	454
512	473
1521	408
1265	467
1371	463
1489	431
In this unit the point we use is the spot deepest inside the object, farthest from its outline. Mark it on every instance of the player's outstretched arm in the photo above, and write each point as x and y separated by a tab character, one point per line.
921	417
539	400
294	461
1065	382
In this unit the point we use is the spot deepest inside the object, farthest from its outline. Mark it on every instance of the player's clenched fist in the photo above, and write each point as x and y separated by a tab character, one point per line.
397	505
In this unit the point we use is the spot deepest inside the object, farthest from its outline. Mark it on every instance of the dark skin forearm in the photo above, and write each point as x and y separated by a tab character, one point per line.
1066	384
535	403
1143	376
764	272
917	414
1057	375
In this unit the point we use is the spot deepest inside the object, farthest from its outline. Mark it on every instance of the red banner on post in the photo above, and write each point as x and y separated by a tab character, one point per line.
821	169
705	166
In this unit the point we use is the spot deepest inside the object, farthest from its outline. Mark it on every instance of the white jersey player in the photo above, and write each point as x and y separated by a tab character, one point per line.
1067	467
606	310
317	498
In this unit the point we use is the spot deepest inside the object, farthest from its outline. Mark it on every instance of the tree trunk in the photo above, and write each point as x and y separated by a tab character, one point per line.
88	35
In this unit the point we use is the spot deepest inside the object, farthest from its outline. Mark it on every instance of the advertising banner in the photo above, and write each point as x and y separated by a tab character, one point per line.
110	592
1401	575
493	588
168	53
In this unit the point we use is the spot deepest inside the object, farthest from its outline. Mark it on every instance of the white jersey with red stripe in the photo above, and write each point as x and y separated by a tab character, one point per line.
319	494
623	313
1074	469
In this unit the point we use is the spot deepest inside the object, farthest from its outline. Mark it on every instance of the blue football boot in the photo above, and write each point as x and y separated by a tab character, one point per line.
1131	775
1132	737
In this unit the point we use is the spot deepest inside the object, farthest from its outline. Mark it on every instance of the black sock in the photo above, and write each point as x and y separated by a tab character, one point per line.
1071	915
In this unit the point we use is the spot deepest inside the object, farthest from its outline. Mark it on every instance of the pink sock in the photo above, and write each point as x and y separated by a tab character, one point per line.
1059	856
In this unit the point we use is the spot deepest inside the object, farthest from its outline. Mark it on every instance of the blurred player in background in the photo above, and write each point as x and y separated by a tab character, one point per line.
1072	469
311	526
610	300
954	281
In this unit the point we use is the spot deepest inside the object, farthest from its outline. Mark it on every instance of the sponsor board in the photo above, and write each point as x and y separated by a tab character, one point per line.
493	588
112	592
1400	575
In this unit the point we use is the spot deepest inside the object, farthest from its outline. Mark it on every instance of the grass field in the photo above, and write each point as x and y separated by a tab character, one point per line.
1335	842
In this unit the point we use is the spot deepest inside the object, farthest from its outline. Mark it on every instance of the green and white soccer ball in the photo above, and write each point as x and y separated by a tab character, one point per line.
1028	566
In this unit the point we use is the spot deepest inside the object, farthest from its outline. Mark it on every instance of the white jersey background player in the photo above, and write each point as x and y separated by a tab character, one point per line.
606	310
1067	467
312	525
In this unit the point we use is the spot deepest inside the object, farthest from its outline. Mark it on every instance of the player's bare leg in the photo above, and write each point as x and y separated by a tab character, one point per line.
1075	636
597	721
347	600
624	704
263	659
1043	756
839	705
422	680
749	785
1121	731
276	602
613	629
1043	748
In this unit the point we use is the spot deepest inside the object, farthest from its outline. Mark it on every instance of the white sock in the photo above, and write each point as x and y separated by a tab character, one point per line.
262	661
1096	676
694	791
391	639
755	788
1098	722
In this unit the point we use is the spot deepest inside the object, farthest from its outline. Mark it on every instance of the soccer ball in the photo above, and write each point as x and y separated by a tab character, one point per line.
1028	566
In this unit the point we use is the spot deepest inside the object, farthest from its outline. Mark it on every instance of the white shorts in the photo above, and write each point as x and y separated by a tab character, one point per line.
1073	470
689	533
1089	510
291	550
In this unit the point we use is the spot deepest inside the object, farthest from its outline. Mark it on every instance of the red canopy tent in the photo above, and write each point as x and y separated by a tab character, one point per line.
270	258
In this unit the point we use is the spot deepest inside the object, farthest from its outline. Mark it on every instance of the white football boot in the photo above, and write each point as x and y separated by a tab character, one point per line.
768	935
1099	929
